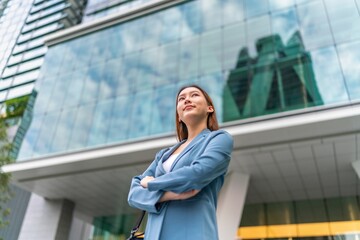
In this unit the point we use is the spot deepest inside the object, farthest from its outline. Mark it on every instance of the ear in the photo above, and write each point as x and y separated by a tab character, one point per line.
210	109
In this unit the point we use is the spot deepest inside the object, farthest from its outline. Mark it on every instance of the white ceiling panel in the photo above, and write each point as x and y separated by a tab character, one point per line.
323	150
263	158
326	163
288	169
345	147
284	155
302	152
307	167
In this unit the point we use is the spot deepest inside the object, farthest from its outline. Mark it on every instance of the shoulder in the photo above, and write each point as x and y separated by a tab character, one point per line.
222	137
220	133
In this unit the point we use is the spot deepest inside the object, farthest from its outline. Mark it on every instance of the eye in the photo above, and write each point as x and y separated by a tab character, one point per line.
180	99
195	95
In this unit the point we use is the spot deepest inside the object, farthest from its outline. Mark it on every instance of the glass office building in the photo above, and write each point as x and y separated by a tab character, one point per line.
292	66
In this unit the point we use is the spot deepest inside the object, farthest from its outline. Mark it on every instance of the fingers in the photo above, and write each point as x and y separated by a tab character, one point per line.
144	182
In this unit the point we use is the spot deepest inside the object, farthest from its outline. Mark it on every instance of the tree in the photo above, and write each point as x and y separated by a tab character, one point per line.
5	193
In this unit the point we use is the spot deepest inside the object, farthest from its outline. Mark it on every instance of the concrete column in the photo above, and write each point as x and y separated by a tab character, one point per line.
81	227
231	203
47	219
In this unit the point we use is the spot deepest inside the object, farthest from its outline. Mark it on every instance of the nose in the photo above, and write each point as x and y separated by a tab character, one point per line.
187	100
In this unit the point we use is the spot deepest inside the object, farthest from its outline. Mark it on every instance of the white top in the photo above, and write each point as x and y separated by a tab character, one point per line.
169	162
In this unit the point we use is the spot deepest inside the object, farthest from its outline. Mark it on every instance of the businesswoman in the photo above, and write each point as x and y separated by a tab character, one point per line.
179	190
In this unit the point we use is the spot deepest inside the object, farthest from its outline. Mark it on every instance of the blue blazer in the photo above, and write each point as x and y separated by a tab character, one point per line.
201	166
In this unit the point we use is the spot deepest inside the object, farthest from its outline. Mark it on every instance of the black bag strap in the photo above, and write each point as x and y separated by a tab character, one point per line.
137	226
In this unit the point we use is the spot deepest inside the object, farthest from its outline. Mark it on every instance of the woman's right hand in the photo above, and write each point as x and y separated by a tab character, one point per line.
168	196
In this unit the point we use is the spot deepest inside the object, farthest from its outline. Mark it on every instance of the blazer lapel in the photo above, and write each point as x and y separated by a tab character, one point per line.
194	142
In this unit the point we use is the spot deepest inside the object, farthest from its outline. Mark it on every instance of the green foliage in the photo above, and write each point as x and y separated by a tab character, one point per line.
5	193
15	107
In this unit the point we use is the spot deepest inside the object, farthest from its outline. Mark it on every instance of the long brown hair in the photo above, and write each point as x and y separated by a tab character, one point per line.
212	123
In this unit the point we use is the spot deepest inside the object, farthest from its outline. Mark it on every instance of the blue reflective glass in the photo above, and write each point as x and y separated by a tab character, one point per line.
132	35
189	58
116	43
58	94
46	134
120	119
211	12
81	128
63	130
100	123
52	61
233	11
90	89
257	28
328	75
163	109
314	35
110	79
80	49
344	20
168	66
280	4
350	60
74	90
27	145
234	41
256	7
147	69
142	107
192	20
210	52
213	84
44	90
171	20
253	57
285	23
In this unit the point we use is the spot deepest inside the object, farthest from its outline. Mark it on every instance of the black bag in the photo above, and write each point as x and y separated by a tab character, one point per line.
134	234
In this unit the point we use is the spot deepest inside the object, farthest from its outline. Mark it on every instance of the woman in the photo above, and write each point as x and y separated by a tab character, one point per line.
179	189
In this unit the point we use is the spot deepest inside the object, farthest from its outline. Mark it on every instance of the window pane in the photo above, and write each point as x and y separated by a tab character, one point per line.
344	20
350	61
314	35
100	123
82	126
234	42
120	119
140	114
210	52
256	7
233	11
63	130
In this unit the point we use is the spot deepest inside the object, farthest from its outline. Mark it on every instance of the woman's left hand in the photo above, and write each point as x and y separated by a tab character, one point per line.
145	180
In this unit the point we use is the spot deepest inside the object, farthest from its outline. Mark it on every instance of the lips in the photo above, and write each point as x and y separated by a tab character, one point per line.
188	107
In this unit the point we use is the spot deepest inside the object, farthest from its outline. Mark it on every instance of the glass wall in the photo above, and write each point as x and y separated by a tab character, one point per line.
254	59
333	218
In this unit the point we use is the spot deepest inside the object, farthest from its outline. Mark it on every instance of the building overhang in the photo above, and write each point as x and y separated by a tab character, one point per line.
104	22
107	171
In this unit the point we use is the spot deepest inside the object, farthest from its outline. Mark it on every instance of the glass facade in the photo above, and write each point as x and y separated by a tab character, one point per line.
254	59
24	40
99	8
333	218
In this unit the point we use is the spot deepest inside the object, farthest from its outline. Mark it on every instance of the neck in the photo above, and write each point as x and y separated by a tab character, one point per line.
193	131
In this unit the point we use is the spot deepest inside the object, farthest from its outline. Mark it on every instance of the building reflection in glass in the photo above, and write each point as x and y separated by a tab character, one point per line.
279	78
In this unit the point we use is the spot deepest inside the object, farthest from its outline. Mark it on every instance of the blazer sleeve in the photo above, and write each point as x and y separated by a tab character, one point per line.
203	170
142	198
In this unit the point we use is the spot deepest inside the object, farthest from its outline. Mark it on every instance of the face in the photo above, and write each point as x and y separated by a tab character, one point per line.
192	105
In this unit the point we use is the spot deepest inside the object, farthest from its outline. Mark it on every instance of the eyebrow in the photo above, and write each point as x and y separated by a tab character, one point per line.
180	95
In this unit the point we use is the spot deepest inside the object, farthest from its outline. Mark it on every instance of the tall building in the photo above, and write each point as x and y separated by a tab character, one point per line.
285	82
23	26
